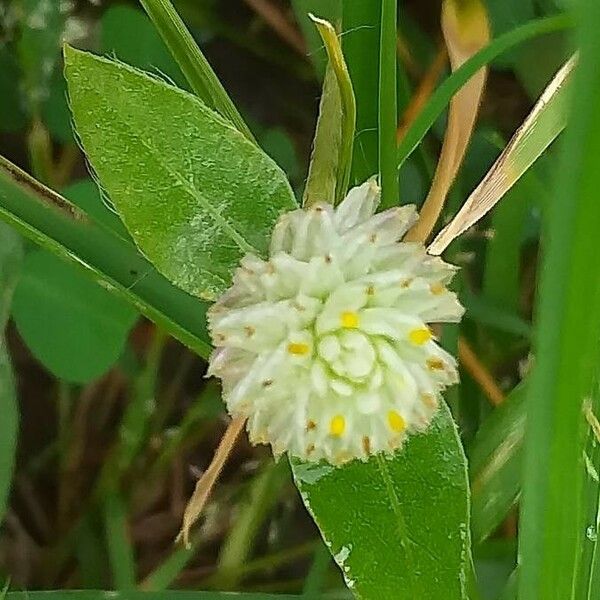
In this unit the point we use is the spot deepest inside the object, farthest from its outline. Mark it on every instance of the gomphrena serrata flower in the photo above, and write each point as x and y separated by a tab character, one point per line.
326	346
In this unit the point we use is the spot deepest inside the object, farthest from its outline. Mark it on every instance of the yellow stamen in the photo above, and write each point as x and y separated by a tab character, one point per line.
337	426
396	421
437	289
349	320
298	348
435	364
420	336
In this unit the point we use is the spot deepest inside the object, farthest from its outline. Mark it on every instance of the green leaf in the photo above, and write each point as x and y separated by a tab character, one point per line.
120	550
73	326
388	103
10	262
346	115
86	195
169	595
195	194
331	10
554	509
360	39
144	50
12	112
495	460
398	527
323	168
195	67
42	26
51	221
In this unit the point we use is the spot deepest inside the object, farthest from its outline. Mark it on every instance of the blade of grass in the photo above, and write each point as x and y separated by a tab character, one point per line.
466	31
543	125
361	31
442	96
193	63
120	551
552	527
51	221
347	104
388	104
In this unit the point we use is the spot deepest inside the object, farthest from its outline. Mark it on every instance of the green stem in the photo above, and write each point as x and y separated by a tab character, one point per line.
388	104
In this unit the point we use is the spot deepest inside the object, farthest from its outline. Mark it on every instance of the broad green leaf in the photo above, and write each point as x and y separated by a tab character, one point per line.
397	527
543	125
52	222
74	327
194	193
554	508
10	263
144	50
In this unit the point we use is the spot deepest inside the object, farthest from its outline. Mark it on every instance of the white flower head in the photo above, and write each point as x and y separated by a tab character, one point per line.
326	347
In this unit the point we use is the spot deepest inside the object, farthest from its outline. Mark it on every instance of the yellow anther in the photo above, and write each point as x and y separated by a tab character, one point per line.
437	289
349	320
396	421
337	426
435	364
420	336
298	348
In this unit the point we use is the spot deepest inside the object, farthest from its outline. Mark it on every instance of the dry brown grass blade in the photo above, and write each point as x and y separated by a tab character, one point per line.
542	126
205	484
479	373
466	31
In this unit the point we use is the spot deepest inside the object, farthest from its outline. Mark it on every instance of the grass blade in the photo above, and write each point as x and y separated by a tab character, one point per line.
388	104
568	327
49	220
193	63
543	125
120	552
442	96
466	31
361	30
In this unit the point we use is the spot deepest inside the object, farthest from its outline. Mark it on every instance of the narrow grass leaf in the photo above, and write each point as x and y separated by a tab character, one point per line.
193	63
554	508
442	96
388	103
495	462
466	31
11	253
347	105
360	39
194	193
52	222
118	543
397	527
127	595
543	125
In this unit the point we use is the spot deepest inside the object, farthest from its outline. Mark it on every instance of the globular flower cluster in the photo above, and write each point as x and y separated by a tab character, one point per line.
326	346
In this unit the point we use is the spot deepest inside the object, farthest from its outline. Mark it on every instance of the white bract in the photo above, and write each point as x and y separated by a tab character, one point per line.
325	347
